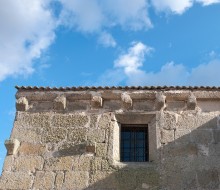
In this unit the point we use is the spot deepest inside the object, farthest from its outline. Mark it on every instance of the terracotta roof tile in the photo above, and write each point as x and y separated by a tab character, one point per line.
81	88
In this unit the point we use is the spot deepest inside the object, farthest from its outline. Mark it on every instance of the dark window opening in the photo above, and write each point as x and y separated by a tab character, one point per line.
134	143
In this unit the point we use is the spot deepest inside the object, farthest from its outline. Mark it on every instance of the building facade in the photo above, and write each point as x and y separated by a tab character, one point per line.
114	138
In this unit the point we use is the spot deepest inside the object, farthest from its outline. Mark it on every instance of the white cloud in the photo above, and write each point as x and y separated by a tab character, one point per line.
128	67
83	15
94	15
177	7
180	6
27	29
107	40
133	59
205	74
208	2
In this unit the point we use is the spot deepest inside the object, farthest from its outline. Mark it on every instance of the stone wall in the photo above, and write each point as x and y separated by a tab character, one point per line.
70	140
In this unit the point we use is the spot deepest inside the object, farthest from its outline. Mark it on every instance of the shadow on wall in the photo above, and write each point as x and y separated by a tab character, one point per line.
191	162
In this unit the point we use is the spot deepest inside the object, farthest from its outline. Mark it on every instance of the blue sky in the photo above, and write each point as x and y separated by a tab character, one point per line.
111	42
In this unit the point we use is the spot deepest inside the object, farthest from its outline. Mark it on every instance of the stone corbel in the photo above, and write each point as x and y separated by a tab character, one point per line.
60	103
126	101
96	102
191	102
12	146
22	104
160	101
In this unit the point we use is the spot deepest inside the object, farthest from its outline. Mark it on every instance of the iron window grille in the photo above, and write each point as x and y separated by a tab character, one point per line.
134	143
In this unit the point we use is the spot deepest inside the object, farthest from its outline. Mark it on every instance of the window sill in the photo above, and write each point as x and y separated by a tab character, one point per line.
120	165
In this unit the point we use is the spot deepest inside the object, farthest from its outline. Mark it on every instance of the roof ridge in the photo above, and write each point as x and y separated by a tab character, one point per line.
118	88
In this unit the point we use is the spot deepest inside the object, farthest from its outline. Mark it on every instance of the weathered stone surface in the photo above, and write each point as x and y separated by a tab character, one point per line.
82	163
145	105
28	163
175	105
8	163
60	103
96	102
70	149
208	179
22	104
44	180
126	101
169	120
112	105
186	121
90	147
59	180
191	102
96	135
54	135
40	106
202	136
216	135
214	150
78	106
180	150
208	106
27	134
103	180
31	149
69	120
93	121
16	180
33	120
167	136
101	150
206	121
78	135
182	136
104	120
12	146
76	180
160	101
61	163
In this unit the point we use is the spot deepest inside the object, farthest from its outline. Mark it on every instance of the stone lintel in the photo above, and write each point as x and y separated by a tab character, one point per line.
191	102
96	102
126	101
12	146
60	103
22	104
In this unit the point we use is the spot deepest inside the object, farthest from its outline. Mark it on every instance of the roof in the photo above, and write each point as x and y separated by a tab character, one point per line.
81	88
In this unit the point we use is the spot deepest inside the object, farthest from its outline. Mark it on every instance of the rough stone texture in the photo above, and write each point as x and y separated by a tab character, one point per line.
60	103
12	146
32	149
74	142
22	104
191	102
61	163
16	180
44	180
126	101
76	180
59	180
160	100
28	163
69	120
96	102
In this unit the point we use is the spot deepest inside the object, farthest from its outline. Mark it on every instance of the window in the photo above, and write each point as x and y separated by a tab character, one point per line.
134	143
